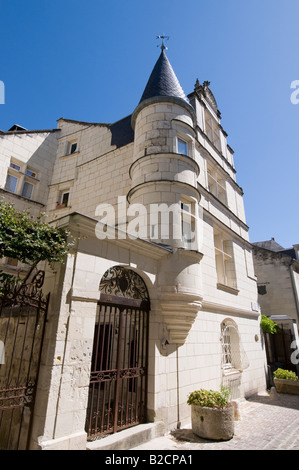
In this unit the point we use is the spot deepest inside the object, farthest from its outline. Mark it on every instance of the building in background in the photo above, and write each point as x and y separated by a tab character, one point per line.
159	297
277	271
26	166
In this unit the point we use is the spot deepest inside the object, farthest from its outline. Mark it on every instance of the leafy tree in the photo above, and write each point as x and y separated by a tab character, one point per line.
269	326
29	239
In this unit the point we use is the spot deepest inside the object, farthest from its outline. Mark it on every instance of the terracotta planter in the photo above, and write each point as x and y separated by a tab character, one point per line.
287	386
213	423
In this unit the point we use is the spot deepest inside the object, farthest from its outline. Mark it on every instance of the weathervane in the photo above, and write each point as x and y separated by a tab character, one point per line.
163	45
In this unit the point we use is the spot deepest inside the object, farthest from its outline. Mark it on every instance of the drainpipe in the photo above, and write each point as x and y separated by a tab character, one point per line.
178	388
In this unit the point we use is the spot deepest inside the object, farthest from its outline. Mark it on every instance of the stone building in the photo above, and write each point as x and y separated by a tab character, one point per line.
159	297
277	271
26	166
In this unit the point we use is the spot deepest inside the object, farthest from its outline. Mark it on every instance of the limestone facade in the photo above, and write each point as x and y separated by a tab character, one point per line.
277	271
202	285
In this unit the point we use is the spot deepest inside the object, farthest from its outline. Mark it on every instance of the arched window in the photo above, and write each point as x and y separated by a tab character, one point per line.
231	351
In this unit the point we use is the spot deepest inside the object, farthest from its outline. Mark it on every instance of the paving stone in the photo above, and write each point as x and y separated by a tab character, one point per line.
267	422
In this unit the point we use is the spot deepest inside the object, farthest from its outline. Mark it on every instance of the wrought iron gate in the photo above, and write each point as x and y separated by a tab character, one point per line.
118	383
22	321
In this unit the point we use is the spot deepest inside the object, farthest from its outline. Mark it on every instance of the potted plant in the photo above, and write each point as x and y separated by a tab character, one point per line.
286	381
212	415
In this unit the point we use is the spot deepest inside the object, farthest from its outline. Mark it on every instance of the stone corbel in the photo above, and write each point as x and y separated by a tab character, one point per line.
179	311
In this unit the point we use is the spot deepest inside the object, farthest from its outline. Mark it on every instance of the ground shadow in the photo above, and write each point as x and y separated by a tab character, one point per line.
186	435
276	399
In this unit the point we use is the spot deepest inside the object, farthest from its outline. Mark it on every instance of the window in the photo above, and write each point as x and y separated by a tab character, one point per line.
217	184
188	224
63	200
233	354
31	173
14	166
212	129
225	266
27	190
11	183
182	147
73	147
19	179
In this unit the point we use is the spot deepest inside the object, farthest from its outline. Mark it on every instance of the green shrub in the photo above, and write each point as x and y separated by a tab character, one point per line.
209	398
285	374
268	326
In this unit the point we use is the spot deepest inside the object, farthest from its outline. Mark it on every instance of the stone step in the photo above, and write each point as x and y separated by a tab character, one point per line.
128	438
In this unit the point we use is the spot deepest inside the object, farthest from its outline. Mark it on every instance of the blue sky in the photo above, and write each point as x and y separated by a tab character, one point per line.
90	60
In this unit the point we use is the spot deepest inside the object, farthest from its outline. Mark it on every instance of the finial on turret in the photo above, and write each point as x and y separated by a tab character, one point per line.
163	47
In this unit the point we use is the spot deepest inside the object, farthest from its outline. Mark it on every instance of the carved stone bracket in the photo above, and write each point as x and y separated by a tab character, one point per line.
179	311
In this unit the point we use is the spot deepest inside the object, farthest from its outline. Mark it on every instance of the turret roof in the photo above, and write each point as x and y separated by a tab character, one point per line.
163	81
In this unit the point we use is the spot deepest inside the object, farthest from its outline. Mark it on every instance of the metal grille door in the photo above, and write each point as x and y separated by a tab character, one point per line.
22	322
117	393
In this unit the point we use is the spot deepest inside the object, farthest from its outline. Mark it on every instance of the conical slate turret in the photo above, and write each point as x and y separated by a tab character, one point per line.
163	81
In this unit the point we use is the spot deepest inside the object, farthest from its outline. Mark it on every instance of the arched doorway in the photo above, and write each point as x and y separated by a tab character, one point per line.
118	382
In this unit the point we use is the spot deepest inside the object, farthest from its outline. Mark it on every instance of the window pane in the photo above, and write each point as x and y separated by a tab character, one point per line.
65	199
27	190
182	147
11	183
73	147
15	167
31	173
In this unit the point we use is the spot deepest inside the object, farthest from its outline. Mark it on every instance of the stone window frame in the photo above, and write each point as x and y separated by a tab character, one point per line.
230	343
185	133
23	173
225	262
216	183
188	217
212	129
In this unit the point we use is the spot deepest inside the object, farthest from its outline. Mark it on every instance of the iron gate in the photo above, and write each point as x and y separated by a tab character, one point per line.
118	382
22	320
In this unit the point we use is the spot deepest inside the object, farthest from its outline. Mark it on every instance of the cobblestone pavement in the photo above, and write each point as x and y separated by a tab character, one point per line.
267	422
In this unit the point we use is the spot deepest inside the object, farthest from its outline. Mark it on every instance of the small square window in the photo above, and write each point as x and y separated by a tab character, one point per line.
31	173
14	166
73	147
11	183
